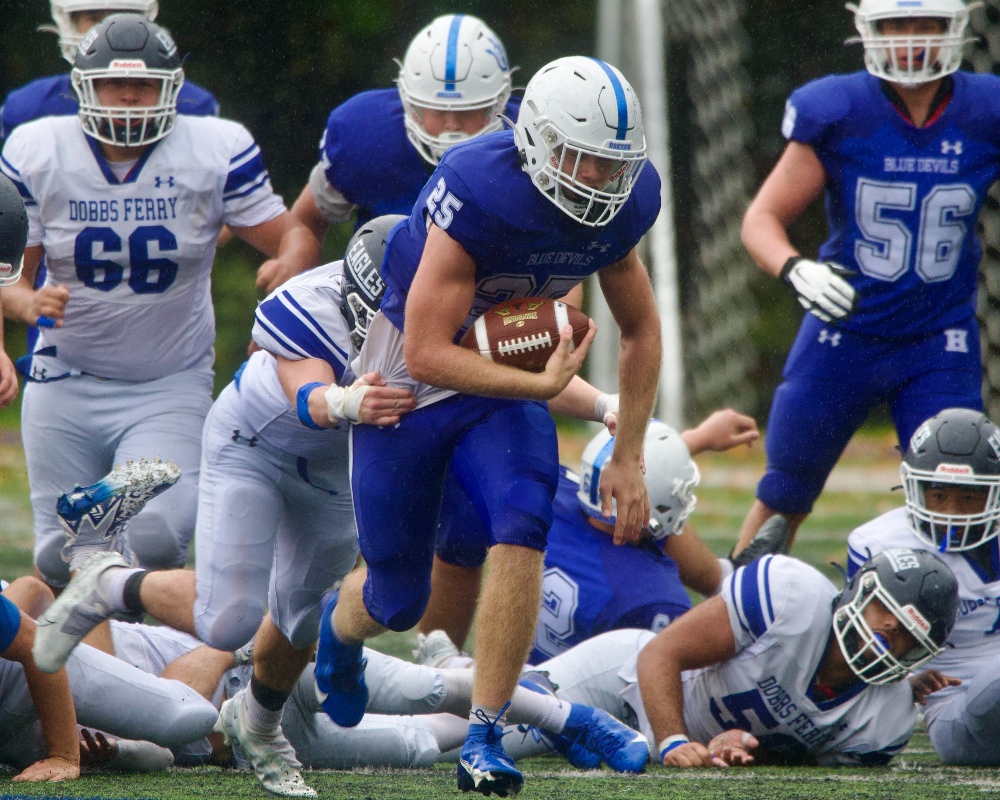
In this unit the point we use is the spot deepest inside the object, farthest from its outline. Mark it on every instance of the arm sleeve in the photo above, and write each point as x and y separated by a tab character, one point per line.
334	207
301	322
12	165
247	198
10	623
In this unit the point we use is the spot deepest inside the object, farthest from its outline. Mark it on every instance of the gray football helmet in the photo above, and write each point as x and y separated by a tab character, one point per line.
919	590
958	446
13	232
363	285
127	46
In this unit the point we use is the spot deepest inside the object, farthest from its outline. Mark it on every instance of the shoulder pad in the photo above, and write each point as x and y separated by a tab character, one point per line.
813	108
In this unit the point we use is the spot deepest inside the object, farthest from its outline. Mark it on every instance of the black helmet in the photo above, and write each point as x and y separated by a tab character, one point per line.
919	590
127	46
13	232
363	284
961	447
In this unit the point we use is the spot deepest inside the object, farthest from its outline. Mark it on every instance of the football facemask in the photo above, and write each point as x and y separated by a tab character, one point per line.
909	60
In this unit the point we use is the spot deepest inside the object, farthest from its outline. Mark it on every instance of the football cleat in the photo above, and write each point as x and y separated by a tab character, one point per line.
771	539
269	752
484	767
340	671
243	656
575	753
617	745
82	606
93	516
434	649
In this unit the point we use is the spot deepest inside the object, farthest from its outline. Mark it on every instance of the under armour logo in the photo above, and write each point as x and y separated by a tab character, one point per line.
38	373
599	246
832	338
168	181
252	441
956	340
951	147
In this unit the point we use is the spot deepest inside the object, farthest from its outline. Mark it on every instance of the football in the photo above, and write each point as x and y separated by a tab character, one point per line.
523	333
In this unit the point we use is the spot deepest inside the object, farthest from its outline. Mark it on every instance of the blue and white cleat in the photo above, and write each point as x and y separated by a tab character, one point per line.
484	767
617	745
340	671
93	516
578	756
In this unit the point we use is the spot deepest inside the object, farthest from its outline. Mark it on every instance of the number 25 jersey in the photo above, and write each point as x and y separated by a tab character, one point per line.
901	201
136	254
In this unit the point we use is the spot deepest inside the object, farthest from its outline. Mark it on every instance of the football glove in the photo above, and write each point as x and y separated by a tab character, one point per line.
820	288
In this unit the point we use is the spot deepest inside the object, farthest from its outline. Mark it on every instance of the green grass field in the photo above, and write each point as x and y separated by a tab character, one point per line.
857	491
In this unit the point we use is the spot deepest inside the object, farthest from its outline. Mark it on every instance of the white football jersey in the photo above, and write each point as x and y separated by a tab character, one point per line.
781	614
136	254
975	639
301	319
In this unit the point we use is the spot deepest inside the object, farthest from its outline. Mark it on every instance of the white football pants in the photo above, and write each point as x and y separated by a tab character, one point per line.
966	729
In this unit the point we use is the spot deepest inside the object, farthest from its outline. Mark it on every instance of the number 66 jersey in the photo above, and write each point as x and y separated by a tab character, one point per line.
902	201
136	252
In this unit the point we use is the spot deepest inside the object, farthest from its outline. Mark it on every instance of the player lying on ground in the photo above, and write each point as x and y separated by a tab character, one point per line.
501	217
951	480
126	202
590	584
905	153
821	672
106	694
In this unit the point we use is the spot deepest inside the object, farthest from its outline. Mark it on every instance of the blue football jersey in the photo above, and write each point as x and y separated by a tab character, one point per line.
522	245
367	157
54	97
591	585
902	202
10	623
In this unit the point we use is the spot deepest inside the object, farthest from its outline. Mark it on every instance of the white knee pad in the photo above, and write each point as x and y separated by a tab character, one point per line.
231	625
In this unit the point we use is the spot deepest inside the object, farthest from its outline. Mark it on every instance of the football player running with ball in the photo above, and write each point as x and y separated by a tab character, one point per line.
904	153
951	479
507	215
126	202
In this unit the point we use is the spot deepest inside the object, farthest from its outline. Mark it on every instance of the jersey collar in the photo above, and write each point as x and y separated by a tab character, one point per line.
938	104
102	162
827	697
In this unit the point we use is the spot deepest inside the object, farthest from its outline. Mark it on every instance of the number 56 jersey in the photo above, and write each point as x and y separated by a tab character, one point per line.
781	614
136	253
902	202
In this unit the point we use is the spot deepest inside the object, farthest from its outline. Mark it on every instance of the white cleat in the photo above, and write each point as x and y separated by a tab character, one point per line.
82	606
269	752
434	649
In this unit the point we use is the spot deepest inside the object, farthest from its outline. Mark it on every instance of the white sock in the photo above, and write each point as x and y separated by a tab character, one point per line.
258	716
492	713
117	577
541	710
726	568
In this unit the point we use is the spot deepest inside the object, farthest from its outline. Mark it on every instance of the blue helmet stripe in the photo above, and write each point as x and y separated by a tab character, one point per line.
619	98
451	55
603	457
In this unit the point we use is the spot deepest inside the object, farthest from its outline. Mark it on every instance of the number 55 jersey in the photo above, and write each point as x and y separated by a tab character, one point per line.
902	201
136	251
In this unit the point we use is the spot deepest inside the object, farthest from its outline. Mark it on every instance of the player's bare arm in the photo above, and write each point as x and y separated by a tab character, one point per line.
8	376
53	703
699	638
290	245
437	306
306	212
629	294
379	404
795	182
721	430
580	400
22	302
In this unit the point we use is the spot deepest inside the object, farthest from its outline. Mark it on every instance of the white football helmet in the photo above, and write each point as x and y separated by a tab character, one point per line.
928	57
576	107
70	35
454	64
671	478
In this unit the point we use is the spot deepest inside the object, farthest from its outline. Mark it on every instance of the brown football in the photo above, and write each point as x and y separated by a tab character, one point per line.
523	333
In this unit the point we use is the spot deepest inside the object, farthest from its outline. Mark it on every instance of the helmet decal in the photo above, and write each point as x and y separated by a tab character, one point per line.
616	85
451	57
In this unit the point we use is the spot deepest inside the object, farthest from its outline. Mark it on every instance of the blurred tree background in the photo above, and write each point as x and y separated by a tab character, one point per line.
279	67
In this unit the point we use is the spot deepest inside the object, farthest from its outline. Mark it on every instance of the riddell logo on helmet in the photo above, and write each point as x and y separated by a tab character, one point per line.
954	469
916	618
121	63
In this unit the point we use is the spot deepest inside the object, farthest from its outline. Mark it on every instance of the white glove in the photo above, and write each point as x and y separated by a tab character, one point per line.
820	289
345	402
605	407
